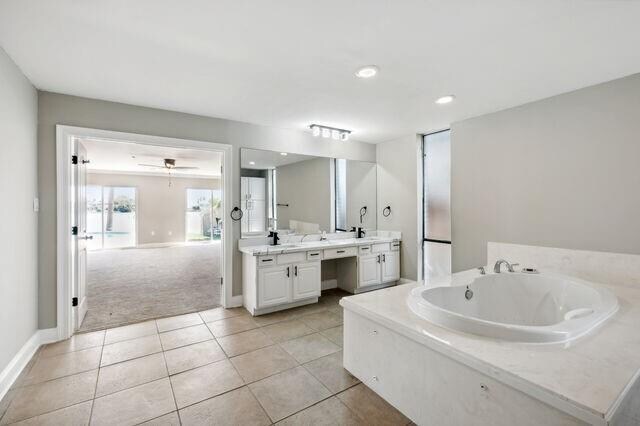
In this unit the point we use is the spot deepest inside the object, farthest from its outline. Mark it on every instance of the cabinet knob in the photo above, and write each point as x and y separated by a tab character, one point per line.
374	332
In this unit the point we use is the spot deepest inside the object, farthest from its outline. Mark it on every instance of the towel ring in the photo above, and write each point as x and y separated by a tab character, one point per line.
236	213
363	212
386	211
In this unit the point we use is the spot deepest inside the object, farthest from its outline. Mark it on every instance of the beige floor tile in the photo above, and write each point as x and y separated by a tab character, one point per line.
125	375
287	330
309	309
225	327
128	332
64	365
6	400
369	406
185	336
331	373
170	419
76	415
247	341
134	405
322	320
205	382
337	310
26	370
263	362
288	392
31	401
129	349
192	356
180	321
334	334
308	348
268	319
238	407
77	342
216	314
329	412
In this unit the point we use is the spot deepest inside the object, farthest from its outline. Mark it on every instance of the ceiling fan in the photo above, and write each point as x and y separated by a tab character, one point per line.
170	164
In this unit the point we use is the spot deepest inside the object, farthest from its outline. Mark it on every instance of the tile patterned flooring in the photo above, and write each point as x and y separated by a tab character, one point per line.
220	367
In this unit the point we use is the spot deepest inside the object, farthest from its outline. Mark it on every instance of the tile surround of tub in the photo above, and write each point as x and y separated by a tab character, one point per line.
600	267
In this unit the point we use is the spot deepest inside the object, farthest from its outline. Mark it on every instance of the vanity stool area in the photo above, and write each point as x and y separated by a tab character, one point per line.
281	277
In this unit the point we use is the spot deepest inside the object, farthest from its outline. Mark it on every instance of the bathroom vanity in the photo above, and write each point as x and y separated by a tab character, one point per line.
288	275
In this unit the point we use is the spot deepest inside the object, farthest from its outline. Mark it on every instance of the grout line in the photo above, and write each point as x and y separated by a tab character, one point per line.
175	402
95	389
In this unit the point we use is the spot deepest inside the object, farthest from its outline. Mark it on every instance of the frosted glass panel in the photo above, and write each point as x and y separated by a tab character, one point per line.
437	260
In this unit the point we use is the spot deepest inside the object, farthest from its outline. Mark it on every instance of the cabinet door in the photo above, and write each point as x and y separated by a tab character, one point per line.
306	280
369	270
274	285
390	266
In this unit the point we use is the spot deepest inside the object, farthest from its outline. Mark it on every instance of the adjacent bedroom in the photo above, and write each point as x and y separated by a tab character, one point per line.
153	232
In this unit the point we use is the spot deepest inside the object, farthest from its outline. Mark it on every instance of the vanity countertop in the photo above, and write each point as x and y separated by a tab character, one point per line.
587	378
260	250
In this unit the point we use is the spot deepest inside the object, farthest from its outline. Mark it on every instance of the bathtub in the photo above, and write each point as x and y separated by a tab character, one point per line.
516	306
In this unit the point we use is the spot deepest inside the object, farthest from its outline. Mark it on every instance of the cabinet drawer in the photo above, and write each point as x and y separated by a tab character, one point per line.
266	261
380	247
340	252
314	255
364	250
283	259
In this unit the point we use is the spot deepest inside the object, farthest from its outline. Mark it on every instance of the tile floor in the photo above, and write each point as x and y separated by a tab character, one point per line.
220	367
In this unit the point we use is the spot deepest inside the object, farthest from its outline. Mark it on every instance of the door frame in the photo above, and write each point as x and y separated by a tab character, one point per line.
65	275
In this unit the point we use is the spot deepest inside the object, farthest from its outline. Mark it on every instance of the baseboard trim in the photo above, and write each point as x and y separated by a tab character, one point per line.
235	302
11	372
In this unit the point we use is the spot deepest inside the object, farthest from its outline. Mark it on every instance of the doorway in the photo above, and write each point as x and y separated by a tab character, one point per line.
148	229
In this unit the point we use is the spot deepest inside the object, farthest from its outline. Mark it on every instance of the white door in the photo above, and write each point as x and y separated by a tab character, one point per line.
306	280
369	270
80	285
274	285
390	266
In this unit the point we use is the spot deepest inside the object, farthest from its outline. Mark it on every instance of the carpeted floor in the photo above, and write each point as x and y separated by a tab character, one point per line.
132	285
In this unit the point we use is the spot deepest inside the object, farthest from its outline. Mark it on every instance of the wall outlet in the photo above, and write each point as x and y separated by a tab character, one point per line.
36	204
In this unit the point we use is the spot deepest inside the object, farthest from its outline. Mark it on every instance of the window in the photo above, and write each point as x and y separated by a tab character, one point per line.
341	194
111	217
436	173
203	215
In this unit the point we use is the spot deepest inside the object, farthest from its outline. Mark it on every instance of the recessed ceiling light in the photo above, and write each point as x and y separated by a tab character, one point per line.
252	163
445	99
283	153
367	71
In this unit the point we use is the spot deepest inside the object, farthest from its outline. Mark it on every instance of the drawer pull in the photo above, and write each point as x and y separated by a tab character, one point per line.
340	251
313	254
364	248
267	260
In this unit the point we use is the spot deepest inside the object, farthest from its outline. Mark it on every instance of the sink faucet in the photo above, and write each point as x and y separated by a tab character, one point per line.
499	263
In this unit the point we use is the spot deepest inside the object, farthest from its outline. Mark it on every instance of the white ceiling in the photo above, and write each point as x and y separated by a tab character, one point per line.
268	159
290	63
121	157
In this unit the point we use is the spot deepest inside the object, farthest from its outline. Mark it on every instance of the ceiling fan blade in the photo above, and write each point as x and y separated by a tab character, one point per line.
185	168
152	165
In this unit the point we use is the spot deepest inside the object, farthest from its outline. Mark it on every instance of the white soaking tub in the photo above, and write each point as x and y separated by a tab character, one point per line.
515	306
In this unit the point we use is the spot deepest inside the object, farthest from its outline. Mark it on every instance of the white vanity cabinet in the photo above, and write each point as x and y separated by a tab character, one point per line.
378	264
271	282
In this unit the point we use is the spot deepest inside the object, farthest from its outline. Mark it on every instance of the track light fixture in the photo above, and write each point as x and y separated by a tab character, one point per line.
330	132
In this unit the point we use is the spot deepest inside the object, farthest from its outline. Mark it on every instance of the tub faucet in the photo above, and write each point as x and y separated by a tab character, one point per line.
499	263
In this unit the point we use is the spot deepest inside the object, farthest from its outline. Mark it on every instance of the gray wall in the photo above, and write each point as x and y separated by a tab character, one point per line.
18	222
398	187
361	191
561	172
160	208
306	187
62	109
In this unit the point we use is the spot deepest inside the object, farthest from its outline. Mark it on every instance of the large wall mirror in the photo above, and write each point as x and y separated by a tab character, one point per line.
303	194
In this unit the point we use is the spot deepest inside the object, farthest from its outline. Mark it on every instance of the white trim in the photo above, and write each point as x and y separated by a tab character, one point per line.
11	372
64	217
235	302
421	212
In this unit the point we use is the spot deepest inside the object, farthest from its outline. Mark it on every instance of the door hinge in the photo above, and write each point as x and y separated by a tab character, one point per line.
74	301
74	230
74	159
